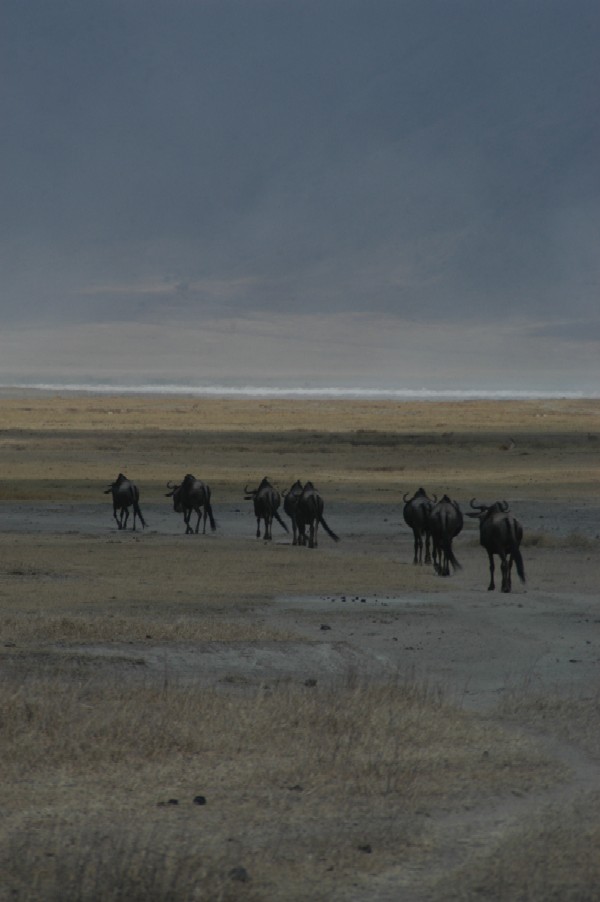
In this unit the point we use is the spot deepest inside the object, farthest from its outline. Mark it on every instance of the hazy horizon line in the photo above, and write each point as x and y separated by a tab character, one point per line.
299	391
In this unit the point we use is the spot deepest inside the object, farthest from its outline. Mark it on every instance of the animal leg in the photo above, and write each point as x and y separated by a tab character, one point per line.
258	528
427	548
506	564
491	586
417	542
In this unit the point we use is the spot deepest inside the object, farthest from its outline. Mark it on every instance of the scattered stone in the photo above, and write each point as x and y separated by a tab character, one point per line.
240	874
366	848
325	626
173	802
296	788
199	800
310	682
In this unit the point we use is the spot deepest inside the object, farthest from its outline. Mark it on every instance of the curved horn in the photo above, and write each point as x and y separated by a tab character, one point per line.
170	485
477	507
248	491
405	499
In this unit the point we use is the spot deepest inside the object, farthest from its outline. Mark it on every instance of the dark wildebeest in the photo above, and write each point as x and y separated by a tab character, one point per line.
192	495
309	512
445	523
500	533
416	515
266	502
290	502
125	494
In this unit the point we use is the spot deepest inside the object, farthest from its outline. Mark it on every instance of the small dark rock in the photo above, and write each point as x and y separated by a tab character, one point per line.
366	848
310	682
325	626
199	800
240	874
296	788
173	802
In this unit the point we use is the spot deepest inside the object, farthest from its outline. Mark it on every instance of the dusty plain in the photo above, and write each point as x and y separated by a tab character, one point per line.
217	717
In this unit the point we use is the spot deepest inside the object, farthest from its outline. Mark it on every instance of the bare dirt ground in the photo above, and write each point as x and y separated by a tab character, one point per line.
509	807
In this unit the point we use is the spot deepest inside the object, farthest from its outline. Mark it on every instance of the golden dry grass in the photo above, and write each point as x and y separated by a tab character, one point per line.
64	449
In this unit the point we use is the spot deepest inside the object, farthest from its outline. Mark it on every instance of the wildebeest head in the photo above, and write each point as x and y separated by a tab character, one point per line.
175	494
264	484
295	489
419	494
483	511
121	478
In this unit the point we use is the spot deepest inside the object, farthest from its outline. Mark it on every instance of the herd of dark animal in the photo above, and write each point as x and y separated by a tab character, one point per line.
435	524
302	503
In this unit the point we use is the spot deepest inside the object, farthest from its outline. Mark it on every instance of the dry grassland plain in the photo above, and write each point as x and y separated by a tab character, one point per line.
218	717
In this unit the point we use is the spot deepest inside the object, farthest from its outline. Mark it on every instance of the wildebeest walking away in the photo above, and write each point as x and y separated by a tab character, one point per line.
445	523
266	503
290	503
309	513
192	495
500	533
416	515
125	494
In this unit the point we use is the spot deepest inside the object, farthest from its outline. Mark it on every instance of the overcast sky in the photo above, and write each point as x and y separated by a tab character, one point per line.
420	180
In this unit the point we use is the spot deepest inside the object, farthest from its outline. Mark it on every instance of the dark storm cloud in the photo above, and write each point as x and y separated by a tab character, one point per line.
428	159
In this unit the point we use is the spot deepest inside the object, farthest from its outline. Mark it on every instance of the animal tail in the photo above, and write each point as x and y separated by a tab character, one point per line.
280	521
518	559
327	529
447	548
450	554
516	555
209	511
136	509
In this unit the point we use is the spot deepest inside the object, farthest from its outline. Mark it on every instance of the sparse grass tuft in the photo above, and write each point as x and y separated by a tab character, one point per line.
301	776
70	862
41	627
545	540
552	858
